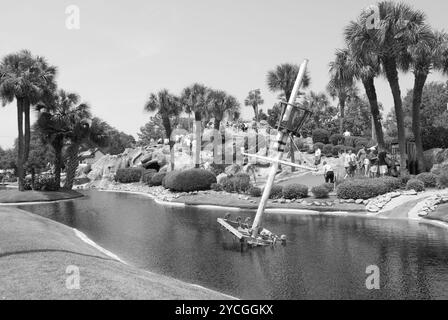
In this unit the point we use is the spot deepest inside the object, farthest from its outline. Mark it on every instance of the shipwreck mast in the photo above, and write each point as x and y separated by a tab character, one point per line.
282	139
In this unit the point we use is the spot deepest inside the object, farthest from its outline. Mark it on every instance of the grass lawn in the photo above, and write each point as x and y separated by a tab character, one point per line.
441	213
15	196
35	253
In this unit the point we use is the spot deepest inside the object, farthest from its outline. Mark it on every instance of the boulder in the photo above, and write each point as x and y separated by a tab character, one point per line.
220	177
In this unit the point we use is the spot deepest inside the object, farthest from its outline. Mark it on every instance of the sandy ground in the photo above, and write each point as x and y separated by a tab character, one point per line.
36	255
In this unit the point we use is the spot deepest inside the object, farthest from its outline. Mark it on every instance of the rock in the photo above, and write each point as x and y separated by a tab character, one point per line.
350	201
288	200
282	200
365	202
422	213
316	203
394	194
373	208
359	201
329	203
411	192
274	201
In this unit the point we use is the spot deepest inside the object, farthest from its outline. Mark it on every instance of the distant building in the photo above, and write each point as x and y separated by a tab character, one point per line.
90	156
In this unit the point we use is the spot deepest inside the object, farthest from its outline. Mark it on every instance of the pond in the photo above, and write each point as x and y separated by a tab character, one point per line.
325	258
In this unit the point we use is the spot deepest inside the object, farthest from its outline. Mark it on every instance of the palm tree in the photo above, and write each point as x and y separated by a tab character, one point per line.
221	105
341	85
400	27
54	122
422	58
254	100
27	79
167	106
282	79
195	99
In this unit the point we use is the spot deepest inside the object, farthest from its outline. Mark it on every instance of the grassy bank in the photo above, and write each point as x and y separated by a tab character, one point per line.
15	196
35	253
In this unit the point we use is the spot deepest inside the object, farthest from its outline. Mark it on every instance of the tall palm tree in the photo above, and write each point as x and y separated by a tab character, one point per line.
195	99
400	27
341	85
422	58
221	105
27	79
253	100
282	79
167	106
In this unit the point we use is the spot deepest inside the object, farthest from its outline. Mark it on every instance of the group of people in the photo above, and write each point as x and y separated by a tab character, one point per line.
368	161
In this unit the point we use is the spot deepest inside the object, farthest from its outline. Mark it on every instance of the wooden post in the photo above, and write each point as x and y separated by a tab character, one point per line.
282	139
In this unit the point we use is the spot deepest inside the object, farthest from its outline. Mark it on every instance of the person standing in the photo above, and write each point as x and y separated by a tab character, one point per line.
317	156
352	163
328	172
382	163
346	160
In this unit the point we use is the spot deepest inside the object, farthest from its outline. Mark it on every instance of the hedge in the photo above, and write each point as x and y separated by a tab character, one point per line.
42	183
295	191
364	188
254	192
320	135
320	192
336	139
129	175
318	145
328	149
442	180
415	184
276	192
147	176
157	179
428	178
239	183
189	180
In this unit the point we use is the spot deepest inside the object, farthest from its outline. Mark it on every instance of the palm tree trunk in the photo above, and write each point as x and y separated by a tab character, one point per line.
20	151
341	118
172	154
26	111
369	86
57	146
291	150
198	120
256	128
71	165
419	83
167	126
390	66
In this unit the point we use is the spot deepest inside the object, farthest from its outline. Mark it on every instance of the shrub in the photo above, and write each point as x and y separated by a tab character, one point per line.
338	149
216	187
254	192
442	180
362	188
415	184
434	137
349	141
227	184
157	178
336	139
318	145
295	191
239	183
189	180
217	169
128	175
428	178
147	176
328	149
320	135
329	186
276	192
391	183
43	183
320	192
361	142
404	179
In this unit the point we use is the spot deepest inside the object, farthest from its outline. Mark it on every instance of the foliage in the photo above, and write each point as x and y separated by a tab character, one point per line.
442	180
328	149
152	130
129	175
276	192
434	137
216	187
320	192
157	179
147	176
318	145
282	79
366	188
239	183
42	183
329	186
336	139
254	192
274	115
217	168
428	178
324	114
320	135
189	180
295	191
338	149
415	184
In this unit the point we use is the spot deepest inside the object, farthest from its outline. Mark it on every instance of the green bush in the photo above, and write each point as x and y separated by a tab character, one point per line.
442	180
336	139
392	183
217	169
404	179
362	188
320	135
157	178
276	192
415	184
318	145
329	186
147	176
360	142
216	187
428	178
129	175
42	183
239	183
328	149
189	180
254	192
295	191
320	192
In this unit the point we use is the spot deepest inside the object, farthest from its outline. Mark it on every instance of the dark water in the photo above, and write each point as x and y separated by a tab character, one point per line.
325	258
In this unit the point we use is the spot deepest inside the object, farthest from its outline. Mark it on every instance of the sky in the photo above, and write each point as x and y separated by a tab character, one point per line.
125	50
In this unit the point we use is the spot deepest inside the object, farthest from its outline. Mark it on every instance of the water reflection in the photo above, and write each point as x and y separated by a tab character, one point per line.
326	257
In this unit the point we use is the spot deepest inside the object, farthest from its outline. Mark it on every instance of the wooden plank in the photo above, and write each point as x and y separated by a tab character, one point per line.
231	229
